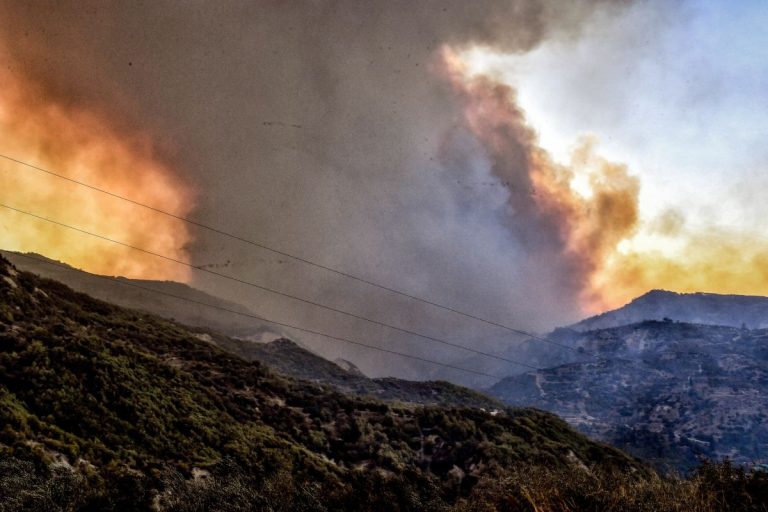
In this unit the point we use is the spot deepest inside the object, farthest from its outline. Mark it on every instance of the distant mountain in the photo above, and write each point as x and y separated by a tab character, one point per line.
665	391
695	308
107	408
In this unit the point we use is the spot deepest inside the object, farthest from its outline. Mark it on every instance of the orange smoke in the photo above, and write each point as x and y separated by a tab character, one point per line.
708	261
587	214
582	226
82	145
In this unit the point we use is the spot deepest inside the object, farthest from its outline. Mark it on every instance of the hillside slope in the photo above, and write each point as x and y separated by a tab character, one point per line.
658	305
665	391
136	294
125	397
242	332
292	360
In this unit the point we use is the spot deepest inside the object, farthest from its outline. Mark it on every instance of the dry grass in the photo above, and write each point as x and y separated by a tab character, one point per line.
714	487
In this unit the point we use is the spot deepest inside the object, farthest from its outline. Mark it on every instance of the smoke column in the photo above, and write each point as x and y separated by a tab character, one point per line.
574	231
344	132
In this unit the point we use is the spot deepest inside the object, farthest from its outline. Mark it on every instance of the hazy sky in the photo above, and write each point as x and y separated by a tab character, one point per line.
677	90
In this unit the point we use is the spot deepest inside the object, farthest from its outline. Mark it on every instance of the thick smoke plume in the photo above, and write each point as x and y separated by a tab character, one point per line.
82	144
330	129
574	231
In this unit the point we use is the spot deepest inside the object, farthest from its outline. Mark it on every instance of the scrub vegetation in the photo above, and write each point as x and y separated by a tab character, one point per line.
104	408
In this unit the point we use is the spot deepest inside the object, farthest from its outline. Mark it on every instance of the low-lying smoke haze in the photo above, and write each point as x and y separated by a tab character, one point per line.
349	133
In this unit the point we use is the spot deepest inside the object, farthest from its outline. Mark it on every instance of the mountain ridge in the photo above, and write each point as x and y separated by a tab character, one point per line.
665	391
697	307
162	300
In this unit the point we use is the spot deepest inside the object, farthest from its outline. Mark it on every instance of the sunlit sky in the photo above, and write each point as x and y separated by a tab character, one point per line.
678	94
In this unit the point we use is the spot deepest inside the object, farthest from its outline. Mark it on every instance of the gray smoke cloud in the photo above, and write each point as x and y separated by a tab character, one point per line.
322	128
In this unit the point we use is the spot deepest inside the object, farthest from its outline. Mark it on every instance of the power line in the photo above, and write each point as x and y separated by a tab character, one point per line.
261	245
296	327
263	319
271	290
310	331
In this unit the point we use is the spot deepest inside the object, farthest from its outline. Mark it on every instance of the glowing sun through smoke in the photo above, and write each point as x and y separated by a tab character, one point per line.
587	211
81	145
572	228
